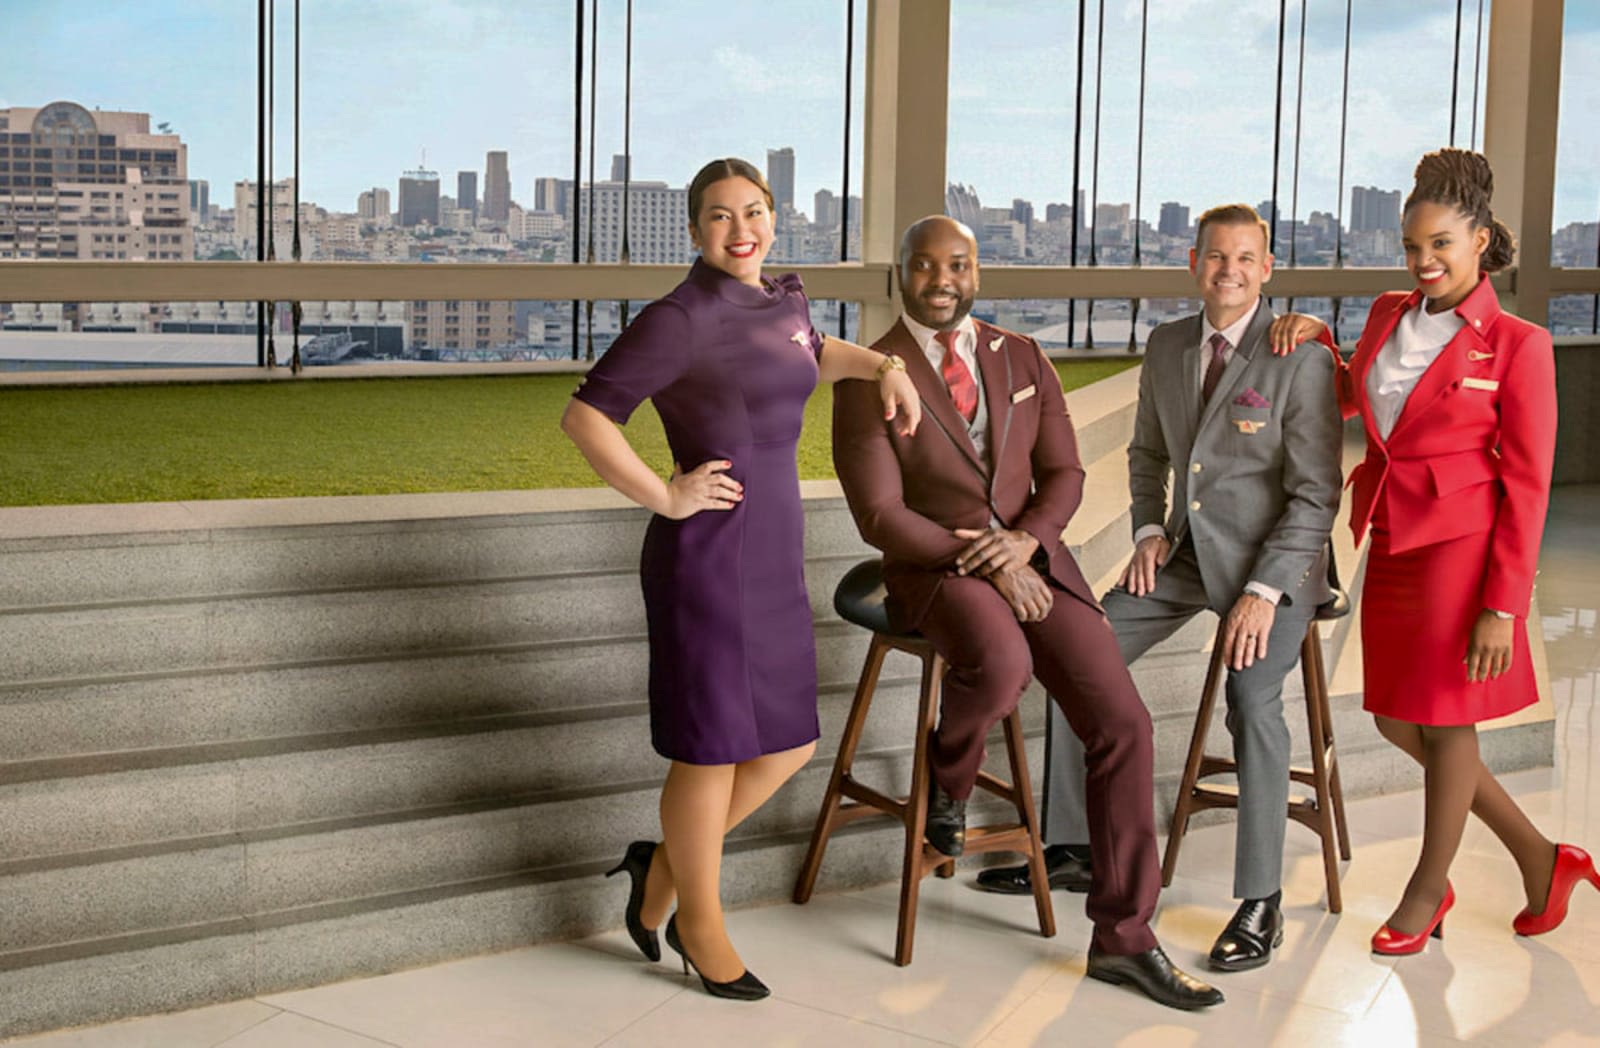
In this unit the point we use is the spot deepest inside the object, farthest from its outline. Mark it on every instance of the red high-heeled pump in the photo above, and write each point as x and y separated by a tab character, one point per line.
1391	943
1572	865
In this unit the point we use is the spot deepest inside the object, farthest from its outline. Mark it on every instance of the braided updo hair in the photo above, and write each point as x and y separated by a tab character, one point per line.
1461	179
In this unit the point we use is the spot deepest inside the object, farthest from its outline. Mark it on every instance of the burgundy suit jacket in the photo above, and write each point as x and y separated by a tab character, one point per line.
1474	447
909	494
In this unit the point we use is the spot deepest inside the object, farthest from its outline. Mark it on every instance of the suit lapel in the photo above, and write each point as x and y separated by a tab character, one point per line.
991	352
1188	385
1447	369
1366	356
934	393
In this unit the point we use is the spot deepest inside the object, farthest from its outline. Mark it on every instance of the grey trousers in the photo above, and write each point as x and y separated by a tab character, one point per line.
1254	699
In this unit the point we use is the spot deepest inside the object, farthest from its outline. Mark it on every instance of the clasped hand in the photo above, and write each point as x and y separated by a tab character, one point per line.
707	486
1002	556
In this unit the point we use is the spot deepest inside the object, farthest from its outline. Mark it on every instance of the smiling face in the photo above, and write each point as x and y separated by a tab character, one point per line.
734	228
1229	266
938	273
1443	252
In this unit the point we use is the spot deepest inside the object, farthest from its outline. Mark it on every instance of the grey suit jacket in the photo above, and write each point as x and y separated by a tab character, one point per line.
1255	477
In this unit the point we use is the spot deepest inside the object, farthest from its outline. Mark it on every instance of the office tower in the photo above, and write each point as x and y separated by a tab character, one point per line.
619	167
467	191
98	186
280	200
1174	219
419	198
1054	213
550	194
1022	211
825	209
780	176
496	187
373	206
200	201
657	221
1373	209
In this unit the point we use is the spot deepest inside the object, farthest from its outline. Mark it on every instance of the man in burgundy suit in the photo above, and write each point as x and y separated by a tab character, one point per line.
969	512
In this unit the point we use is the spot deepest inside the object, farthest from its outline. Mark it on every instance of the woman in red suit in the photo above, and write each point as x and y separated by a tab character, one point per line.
1458	401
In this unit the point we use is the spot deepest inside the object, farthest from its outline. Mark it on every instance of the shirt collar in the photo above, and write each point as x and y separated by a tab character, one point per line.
1233	332
1478	310
924	334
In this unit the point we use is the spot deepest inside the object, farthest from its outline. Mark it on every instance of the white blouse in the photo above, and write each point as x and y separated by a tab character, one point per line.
1415	343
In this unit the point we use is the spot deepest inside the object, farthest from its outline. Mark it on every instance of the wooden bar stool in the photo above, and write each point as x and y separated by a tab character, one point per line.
859	599
1323	812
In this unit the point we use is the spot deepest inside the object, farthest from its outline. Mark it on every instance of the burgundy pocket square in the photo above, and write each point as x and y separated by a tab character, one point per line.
1251	399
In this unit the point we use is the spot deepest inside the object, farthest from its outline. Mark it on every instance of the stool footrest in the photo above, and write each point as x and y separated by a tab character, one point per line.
866	796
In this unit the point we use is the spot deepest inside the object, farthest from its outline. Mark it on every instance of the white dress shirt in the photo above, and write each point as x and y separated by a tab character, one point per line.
967	350
1415	343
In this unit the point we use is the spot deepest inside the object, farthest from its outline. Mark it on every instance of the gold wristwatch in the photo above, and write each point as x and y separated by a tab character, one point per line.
890	363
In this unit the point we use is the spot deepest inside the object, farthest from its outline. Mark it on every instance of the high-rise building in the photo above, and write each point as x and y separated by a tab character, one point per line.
451	324
419	198
780	176
657	229
199	201
1372	209
496	187
1174	219
467	191
550	194
619	167
961	203
1022	211
825	209
1057	213
91	186
279	217
373	206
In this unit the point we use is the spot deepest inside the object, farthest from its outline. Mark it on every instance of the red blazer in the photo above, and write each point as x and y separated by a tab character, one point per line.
1474	447
908	494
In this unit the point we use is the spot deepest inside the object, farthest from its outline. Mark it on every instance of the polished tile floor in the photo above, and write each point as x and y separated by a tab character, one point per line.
982	977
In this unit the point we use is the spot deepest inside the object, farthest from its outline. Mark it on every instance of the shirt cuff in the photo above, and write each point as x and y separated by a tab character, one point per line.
1497	613
1149	531
1265	592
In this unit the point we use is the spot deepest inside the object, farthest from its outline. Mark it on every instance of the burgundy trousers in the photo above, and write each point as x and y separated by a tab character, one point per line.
1075	656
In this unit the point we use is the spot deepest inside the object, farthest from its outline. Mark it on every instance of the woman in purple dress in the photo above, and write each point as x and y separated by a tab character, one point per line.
729	359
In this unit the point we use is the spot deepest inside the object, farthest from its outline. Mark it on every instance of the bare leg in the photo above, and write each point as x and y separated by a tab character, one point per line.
754	781
1533	851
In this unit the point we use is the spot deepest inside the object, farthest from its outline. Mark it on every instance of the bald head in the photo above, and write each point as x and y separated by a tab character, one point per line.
938	271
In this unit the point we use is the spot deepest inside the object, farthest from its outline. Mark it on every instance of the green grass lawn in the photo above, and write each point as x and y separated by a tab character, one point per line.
159	443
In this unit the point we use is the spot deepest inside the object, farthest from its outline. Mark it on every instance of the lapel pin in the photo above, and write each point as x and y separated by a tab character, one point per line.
1248	426
995	344
801	339
1476	355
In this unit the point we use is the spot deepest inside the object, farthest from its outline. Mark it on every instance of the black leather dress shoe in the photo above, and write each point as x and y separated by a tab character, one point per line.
1065	870
947	822
1153	975
1250	937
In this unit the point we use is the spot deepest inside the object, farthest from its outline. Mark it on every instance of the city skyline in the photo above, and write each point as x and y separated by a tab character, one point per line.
366	118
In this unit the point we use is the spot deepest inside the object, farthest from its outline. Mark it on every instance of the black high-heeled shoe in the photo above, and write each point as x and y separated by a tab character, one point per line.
636	861
745	988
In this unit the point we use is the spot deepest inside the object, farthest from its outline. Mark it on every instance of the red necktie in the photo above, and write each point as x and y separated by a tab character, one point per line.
1219	346
963	390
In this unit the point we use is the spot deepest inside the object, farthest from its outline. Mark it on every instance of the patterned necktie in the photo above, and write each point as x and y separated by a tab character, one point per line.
963	390
1208	385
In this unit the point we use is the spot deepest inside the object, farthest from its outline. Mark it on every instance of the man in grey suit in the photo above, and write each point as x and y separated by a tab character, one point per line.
1251	443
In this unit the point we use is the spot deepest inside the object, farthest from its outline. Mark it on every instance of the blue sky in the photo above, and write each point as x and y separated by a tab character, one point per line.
383	82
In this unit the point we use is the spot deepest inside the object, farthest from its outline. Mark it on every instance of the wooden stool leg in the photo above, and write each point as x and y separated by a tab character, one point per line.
806	881
1191	767
1316	688
1022	795
916	813
1339	822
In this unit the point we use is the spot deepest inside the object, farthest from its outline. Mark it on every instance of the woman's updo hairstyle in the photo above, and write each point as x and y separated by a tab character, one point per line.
1461	179
716	171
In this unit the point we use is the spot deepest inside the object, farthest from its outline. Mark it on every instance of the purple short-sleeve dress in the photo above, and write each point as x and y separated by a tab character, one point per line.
729	367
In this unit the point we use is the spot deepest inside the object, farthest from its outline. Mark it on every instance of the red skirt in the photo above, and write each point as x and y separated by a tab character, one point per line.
1417	613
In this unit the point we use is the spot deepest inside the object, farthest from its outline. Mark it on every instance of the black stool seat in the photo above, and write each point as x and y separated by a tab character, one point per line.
859	598
1335	607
